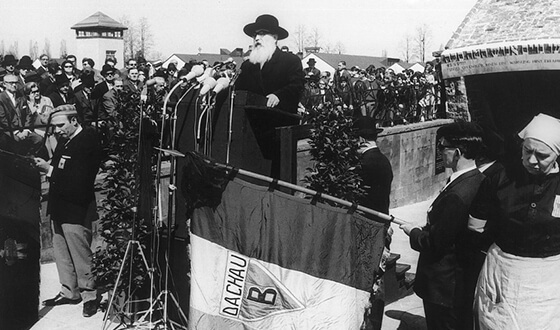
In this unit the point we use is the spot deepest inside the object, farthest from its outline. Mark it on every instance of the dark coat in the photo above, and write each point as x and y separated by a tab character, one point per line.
84	106
72	181
282	76
47	86
377	176
57	99
443	262
12	117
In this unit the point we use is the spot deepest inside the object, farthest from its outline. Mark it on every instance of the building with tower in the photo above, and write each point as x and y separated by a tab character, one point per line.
100	37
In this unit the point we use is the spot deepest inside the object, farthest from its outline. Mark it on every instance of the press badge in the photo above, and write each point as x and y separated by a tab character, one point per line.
63	161
556	207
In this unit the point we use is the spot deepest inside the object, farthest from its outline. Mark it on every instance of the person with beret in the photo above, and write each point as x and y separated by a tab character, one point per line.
270	72
442	264
377	175
518	287
63	93
72	207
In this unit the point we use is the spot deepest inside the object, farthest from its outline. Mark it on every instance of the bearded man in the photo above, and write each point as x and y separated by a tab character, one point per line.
270	72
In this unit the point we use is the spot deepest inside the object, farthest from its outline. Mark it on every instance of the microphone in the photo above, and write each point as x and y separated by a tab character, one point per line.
208	84
221	84
196	71
228	61
209	72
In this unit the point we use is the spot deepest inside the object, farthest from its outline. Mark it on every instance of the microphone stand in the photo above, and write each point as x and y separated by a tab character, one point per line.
230	119
165	293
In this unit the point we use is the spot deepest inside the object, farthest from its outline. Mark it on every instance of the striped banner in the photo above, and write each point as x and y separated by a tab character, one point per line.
268	260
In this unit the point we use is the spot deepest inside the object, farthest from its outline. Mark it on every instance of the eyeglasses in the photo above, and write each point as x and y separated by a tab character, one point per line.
442	146
35	91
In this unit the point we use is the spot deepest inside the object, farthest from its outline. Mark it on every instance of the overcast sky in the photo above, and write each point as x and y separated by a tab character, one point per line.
364	27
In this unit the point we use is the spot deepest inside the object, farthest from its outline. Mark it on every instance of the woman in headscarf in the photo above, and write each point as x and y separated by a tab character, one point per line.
518	287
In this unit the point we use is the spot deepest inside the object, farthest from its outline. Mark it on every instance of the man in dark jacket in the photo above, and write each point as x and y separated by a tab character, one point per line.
72	207
377	175
443	266
270	72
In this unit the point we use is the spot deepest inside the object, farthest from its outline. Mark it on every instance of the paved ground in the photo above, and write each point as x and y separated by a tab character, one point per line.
403	314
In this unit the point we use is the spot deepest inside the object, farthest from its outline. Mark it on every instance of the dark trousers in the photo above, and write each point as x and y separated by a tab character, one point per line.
440	317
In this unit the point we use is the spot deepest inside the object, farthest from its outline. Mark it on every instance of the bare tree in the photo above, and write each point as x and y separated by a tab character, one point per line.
130	37
14	49
63	49
47	47
315	37
33	49
339	48
2	48
406	48
145	37
300	37
422	41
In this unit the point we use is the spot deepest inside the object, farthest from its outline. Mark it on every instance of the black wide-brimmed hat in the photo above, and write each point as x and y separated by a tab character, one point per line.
366	127
9	60
25	62
268	23
311	60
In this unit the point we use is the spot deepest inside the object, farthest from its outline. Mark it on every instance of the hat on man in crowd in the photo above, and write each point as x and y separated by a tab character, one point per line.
107	69
311	60
61	79
171	67
25	62
32	76
9	60
366	127
268	23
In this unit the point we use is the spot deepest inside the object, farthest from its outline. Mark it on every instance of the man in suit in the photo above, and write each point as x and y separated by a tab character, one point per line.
15	120
131	84
443	265
270	72
63	94
84	104
72	207
377	175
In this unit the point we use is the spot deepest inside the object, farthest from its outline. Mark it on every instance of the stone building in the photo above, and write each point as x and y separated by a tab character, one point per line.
502	65
100	37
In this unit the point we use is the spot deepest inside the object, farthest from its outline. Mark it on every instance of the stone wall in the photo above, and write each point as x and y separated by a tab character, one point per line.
411	151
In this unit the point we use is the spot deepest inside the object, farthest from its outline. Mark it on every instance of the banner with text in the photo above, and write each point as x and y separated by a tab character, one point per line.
267	260
501	57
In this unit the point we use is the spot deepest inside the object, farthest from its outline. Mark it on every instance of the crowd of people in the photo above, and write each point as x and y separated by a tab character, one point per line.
391	98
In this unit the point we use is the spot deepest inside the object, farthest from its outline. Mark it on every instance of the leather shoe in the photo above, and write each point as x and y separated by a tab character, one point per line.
90	308
59	299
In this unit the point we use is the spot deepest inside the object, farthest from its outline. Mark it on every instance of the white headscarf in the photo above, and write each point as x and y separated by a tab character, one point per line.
544	128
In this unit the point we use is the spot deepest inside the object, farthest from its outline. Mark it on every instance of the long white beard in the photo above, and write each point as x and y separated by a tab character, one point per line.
262	53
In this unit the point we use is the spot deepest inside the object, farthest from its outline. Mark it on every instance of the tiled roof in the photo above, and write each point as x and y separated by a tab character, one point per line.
99	20
491	21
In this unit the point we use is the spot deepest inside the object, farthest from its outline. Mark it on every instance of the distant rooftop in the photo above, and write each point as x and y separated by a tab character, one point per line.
493	21
99	20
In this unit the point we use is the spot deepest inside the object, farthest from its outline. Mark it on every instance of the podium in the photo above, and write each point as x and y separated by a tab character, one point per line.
254	144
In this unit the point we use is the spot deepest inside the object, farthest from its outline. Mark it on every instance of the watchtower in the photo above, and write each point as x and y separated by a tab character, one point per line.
100	37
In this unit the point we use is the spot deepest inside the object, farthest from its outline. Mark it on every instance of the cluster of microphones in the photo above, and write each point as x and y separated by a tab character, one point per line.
206	77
